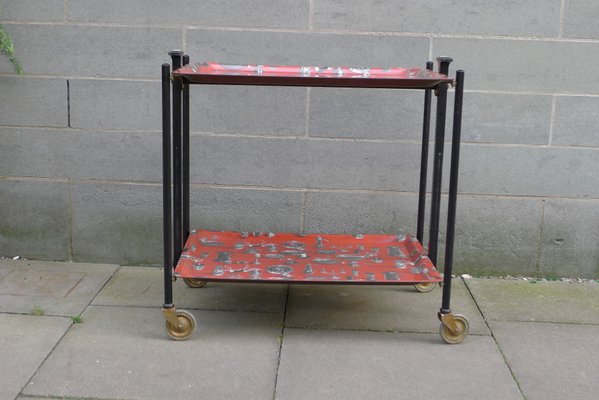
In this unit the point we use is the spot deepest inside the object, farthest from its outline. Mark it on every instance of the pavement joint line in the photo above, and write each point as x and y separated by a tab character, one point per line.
281	339
545	322
186	308
390	331
514	377
46	357
503	356
29	396
102	288
33	315
277	312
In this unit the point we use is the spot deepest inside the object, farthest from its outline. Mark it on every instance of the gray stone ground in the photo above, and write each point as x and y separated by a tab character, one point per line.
528	340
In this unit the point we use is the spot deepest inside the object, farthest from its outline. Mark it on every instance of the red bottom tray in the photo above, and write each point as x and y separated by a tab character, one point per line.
314	258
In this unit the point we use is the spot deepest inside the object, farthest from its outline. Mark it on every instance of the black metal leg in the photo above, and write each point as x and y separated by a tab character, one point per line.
177	182
453	189
180	324
438	160
185	154
424	160
166	186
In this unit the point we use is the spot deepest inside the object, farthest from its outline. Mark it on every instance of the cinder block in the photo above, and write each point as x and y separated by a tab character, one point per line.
278	111
110	104
503	118
309	163
33	102
580	19
80	154
526	18
570	239
33	220
489	118
338	212
123	223
260	13
92	51
495	236
117	223
576	121
245	210
288	48
529	171
32	10
533	64
364	113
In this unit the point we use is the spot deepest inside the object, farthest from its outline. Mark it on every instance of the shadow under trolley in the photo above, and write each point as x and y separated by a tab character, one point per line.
201	256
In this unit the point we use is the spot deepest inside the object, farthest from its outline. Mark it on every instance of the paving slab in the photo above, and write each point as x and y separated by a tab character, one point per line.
25	341
123	352
550	301
328	364
144	287
551	361
57	288
399	308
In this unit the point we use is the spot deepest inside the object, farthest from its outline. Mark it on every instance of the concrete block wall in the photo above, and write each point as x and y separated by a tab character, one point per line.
80	166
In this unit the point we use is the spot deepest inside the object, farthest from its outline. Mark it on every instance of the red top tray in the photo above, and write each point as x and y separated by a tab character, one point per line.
292	258
278	75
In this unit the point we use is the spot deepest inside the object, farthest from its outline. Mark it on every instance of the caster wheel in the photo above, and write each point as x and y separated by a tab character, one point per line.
185	328
455	337
425	287
194	282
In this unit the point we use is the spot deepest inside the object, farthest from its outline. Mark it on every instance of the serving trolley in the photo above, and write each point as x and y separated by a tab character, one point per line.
202	256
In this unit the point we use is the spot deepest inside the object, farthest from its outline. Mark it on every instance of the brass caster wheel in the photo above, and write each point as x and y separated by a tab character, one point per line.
194	282
457	336
425	287
184	328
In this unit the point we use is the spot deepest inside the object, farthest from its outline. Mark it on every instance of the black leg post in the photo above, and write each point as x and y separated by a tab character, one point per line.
453	189
166	186
438	159
185	156
424	160
176	56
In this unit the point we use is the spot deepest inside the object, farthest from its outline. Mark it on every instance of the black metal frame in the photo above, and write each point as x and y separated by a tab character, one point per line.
176	209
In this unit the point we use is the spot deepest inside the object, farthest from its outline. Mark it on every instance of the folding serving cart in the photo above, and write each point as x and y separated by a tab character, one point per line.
201	256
